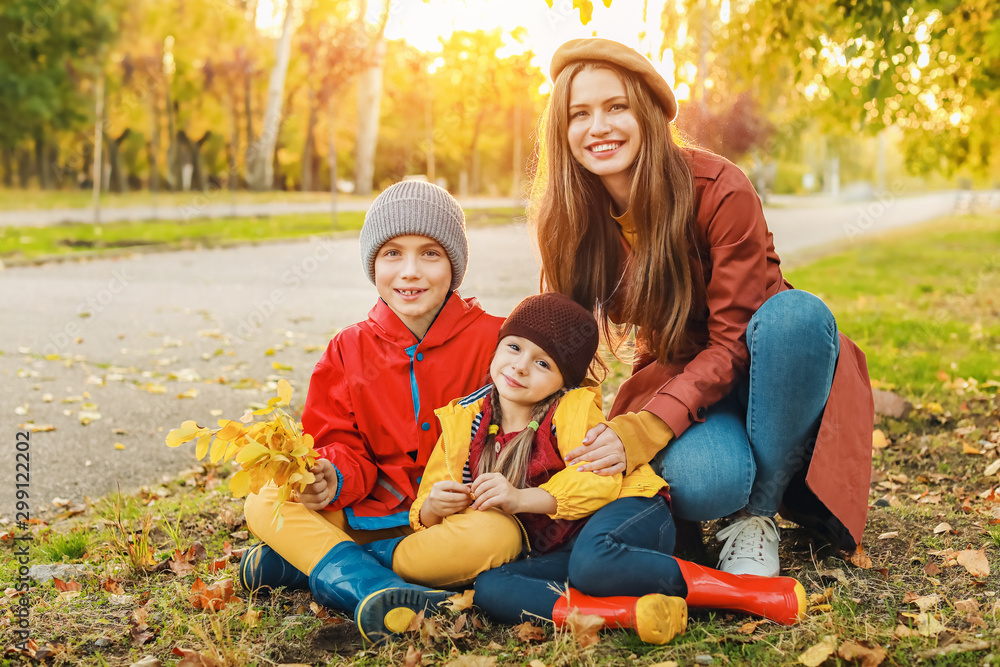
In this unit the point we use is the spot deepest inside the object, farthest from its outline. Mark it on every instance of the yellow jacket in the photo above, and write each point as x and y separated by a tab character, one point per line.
577	494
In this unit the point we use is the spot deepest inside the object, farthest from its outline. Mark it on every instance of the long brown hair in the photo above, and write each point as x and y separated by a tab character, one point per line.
578	242
513	461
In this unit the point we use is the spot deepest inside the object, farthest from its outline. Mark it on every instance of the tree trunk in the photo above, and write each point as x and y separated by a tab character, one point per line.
198	175
116	181
517	173
172	177
7	159
309	148
23	167
260	170
42	167
369	109
153	146
331	112
182	155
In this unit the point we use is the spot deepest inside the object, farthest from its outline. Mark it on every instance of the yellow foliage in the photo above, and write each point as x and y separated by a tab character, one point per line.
273	451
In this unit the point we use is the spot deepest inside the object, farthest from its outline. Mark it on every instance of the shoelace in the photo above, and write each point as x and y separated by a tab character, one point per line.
746	535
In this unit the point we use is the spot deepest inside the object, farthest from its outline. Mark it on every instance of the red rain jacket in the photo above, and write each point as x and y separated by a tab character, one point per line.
371	402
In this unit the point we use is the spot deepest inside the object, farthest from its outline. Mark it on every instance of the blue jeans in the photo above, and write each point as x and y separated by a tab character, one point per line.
756	439
623	550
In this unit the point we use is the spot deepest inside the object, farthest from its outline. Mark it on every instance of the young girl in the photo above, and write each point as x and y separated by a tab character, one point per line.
762	402
502	449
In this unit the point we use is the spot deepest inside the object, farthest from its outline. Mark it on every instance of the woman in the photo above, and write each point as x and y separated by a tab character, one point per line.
743	394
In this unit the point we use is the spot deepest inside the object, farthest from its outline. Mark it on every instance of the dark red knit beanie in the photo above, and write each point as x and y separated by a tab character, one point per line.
564	329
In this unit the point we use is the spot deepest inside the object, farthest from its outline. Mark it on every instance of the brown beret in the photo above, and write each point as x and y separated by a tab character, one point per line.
595	48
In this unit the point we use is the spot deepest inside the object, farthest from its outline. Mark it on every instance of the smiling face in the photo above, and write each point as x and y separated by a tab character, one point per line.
603	131
413	276
522	373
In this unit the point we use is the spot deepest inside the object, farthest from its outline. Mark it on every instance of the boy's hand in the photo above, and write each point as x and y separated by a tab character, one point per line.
493	490
447	498
320	493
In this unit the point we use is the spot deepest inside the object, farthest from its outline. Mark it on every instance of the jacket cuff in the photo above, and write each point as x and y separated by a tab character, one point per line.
340	484
673	412
643	434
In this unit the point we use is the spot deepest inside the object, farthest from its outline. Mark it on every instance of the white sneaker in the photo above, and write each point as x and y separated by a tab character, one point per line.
751	547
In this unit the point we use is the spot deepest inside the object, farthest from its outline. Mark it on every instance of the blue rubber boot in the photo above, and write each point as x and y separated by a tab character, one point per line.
262	568
383	550
350	579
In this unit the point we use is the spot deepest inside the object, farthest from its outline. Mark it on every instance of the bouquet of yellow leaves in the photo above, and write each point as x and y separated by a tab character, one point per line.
268	451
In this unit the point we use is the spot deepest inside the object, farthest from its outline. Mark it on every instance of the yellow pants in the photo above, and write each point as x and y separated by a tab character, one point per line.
449	554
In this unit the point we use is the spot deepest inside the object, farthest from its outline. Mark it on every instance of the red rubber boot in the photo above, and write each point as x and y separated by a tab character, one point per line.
655	618
779	599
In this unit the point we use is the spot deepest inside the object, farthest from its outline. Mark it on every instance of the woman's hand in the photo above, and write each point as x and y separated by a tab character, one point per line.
321	492
493	490
602	449
446	498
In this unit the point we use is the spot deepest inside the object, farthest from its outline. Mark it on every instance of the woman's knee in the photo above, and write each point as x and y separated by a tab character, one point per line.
794	313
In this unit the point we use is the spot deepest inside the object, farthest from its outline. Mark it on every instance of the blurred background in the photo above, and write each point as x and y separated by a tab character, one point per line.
834	98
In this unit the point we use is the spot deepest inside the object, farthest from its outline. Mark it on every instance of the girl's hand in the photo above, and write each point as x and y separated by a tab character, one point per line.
447	498
321	492
493	490
603	449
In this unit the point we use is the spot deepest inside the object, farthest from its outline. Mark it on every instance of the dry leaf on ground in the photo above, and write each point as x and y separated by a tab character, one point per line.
868	656
66	586
974	561
470	660
923	602
214	597
460	602
817	654
860	559
414	656
584	627
527	632
190	658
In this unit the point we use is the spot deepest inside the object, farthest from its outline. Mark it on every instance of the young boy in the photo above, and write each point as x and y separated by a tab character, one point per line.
370	409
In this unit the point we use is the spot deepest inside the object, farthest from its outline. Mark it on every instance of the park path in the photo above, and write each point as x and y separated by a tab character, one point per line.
126	337
215	204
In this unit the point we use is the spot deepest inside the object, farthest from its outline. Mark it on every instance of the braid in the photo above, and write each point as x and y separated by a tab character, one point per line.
514	461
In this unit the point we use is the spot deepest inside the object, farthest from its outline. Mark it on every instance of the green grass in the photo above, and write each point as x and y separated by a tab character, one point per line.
32	243
35	199
69	546
920	302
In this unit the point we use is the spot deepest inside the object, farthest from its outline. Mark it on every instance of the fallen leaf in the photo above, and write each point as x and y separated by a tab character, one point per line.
749	627
923	602
932	569
414	656
860	559
943	527
527	632
967	605
817	654
119	446
927	624
456	630
969	449
538	663
190	658
868	656
879	441
584	627
889	535
992	468
64	586
930	499
460	602
975	562
251	617
190	393
214	597
472	660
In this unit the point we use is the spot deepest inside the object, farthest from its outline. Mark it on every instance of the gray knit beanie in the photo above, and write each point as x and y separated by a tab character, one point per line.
416	207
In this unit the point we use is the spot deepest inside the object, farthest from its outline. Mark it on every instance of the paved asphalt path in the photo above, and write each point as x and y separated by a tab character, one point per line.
130	335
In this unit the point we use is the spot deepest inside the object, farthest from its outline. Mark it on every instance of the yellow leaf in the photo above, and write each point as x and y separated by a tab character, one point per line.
281	367
239	485
586	8
251	451
119	445
584	627
879	441
218	449
816	655
202	446
190	393
231	449
230	430
969	449
188	431
867	656
284	391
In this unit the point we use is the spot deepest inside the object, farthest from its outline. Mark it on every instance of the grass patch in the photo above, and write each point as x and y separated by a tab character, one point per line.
931	501
30	243
920	303
17	199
